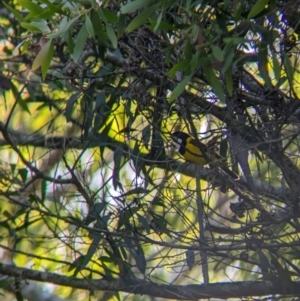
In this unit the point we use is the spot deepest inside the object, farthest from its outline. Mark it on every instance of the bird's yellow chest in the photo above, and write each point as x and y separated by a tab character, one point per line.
192	153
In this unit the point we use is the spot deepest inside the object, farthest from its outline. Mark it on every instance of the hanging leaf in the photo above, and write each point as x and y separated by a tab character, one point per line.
70	105
229	82
80	43
288	68
94	212
118	155
111	35
44	58
146	135
180	88
144	223
190	258
215	83
89	26
217	53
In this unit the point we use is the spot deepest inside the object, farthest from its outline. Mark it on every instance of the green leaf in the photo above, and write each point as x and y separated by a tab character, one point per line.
144	223
19	296
31	6
91	251
21	102
118	155
54	8
217	53
43	189
87	107
7	283
94	213
111	35
70	42
47	60
41	25
64	27
135	5
110	16
190	258
223	148
288	68
137	254
146	135
17	15
70	105
180	88
158	202
30	27
98	27
182	65
140	260
264	264
142	18
89	26
23	172
44	58
234	41
263	62
215	83
276	67
138	190
257	8
102	110
76	263
229	82
228	60
158	20
80	43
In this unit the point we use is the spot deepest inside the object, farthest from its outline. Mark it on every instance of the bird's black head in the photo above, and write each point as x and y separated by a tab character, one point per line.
179	137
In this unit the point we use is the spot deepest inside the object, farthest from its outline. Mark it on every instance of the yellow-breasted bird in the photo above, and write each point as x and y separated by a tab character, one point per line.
196	152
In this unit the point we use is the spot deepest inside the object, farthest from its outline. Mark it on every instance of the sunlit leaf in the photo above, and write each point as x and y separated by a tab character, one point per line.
257	8
43	59
31	6
17	15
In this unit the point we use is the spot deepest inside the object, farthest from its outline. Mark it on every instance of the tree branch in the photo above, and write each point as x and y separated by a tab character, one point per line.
136	286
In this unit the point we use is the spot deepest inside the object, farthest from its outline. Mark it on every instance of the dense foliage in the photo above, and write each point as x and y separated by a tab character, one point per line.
92	193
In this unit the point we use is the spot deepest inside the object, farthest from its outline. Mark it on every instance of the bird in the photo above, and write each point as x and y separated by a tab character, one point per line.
198	153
